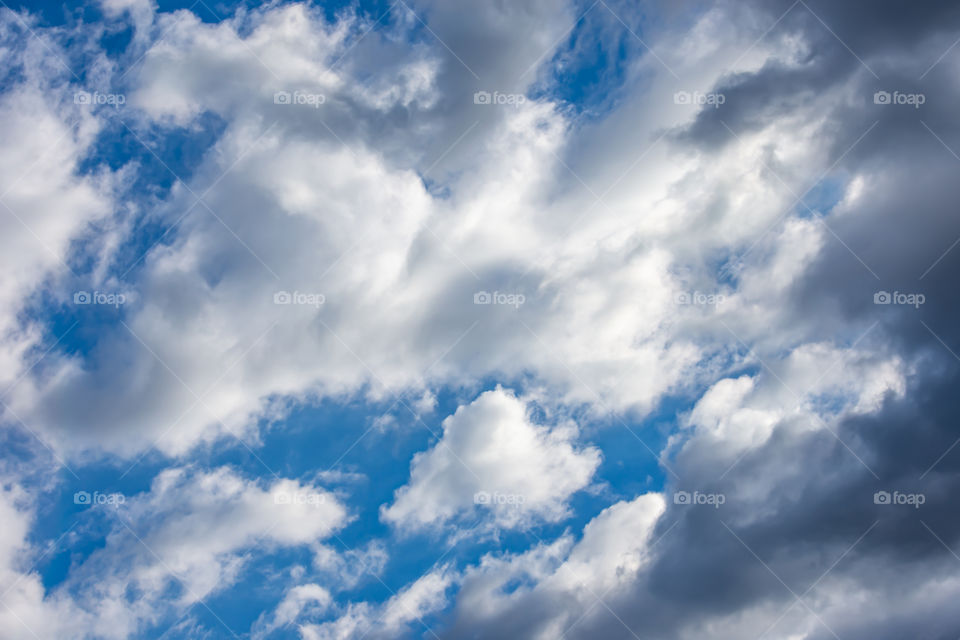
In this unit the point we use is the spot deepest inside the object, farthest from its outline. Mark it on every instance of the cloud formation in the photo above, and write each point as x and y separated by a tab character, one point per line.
490	457
725	231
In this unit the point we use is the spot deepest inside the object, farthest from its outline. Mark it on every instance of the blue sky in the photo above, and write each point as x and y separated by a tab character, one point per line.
535	320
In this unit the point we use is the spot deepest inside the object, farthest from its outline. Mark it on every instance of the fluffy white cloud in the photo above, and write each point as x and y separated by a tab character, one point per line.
207	516
350	217
614	546
813	388
491	457
304	599
187	538
563	580
396	616
45	203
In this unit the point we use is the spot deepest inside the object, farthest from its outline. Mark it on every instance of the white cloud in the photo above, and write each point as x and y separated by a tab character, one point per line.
206	517
614	547
348	568
350	219
398	199
304	599
492	458
44	202
396	616
191	535
814	386
569	576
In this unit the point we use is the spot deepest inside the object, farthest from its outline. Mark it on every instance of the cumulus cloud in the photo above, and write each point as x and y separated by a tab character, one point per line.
561	582
492	458
167	550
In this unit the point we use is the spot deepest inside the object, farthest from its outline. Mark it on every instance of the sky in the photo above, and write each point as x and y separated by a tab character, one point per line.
548	320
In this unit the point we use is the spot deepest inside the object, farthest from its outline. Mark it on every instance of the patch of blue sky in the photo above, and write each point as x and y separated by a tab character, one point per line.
822	197
116	38
588	70
162	157
263	582
57	12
